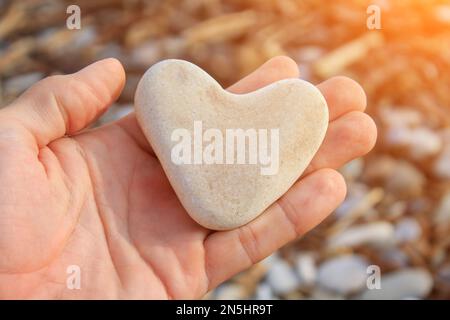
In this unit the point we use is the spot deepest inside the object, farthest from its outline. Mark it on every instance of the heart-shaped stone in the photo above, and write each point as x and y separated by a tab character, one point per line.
228	156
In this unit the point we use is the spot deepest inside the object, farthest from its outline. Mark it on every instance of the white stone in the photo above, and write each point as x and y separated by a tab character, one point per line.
377	233
174	94
355	194
269	261
421	142
324	294
345	274
230	291
441	166
282	278
264	292
406	180
442	212
305	266
407	229
406	130
413	283
400	117
353	169
145	54
395	256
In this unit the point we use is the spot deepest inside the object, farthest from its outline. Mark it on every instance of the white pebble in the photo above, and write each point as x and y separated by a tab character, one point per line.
345	274
404	284
355	193
323	294
309	54
305	266
282	278
353	169
395	256
400	117
421	142
407	229
441	166
442	213
230	291
378	233
268	261
405	180
146	54
264	292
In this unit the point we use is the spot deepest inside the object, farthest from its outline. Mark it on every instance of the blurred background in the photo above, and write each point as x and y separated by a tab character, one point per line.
397	213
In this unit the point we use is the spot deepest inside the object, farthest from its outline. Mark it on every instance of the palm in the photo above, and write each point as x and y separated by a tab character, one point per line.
101	201
121	232
162	243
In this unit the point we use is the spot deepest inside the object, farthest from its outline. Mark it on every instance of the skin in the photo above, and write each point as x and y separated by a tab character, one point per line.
100	200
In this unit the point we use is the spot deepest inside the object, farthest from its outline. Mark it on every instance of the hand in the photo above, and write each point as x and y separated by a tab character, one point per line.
99	199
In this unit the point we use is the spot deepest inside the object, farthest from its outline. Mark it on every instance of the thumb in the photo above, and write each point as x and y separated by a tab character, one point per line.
64	104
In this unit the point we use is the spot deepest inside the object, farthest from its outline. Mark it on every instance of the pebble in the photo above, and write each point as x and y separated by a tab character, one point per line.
344	274
400	178
395	257
379	169
74	41
441	166
405	130
264	292
173	45
230	291
146	54
305	266
405	181
176	94
308	54
397	209
407	229
401	117
269	261
420	142
355	194
420	204
412	283
443	277
353	169
111	50
376	233
323	294
442	212
86	36
282	278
